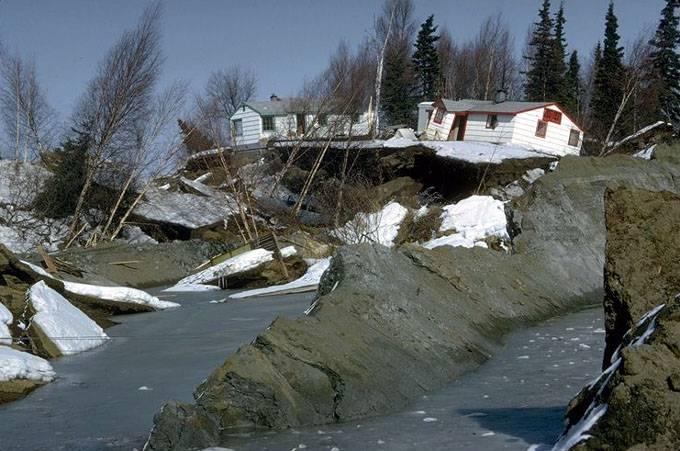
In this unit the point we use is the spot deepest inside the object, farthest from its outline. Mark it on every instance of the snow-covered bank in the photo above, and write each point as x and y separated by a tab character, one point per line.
238	264
69	329
22	365
5	320
381	227
308	282
473	219
112	294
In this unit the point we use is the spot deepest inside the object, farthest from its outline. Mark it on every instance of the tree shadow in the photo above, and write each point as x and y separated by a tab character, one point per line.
535	425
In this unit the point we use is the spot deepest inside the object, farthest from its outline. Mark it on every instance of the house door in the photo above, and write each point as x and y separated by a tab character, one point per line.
457	132
300	120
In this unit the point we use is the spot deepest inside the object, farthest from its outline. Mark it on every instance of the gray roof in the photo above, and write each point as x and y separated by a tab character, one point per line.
489	106
281	107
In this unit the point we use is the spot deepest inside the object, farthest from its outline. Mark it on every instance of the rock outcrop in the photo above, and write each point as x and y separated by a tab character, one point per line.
389	325
635	403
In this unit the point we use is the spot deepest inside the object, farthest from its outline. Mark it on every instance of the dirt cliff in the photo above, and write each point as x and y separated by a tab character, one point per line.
390	325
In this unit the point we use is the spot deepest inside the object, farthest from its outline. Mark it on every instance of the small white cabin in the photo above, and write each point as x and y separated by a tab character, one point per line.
255	123
542	126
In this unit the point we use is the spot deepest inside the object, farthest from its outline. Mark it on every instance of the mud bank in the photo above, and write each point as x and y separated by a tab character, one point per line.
390	325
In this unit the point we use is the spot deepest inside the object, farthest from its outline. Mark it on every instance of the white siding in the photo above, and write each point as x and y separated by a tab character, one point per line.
252	126
556	140
476	130
439	131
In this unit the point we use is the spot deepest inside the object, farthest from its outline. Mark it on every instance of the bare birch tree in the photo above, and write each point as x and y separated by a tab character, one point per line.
28	120
118	98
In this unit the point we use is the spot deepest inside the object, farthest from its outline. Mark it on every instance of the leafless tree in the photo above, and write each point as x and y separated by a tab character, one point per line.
476	68
119	98
638	62
28	120
224	92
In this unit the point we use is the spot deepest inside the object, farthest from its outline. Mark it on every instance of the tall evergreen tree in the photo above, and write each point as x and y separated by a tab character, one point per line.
609	75
666	62
543	79
397	103
559	67
426	61
573	85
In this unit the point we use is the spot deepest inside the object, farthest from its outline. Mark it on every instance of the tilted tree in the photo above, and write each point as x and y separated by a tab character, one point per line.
425	61
666	63
609	75
543	79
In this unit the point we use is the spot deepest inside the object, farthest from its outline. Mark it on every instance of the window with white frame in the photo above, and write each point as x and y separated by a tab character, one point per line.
237	126
268	123
491	121
541	128
574	137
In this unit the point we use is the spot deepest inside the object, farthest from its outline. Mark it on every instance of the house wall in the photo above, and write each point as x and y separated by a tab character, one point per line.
439	131
252	126
476	130
556	139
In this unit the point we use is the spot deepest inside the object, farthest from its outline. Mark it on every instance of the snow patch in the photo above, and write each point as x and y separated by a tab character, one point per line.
66	326
381	227
5	320
22	365
473	219
645	154
113	294
309	281
240	263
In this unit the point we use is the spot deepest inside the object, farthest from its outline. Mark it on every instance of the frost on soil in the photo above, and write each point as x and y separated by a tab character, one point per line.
472	219
66	326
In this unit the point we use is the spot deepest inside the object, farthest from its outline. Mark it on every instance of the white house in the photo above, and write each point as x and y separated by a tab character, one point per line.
256	122
542	126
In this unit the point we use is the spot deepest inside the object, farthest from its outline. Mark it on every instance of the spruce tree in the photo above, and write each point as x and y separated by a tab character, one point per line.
398	104
608	87
559	69
572	84
426	61
542	78
666	63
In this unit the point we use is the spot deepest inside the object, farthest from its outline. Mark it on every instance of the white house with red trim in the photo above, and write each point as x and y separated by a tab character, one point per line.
541	126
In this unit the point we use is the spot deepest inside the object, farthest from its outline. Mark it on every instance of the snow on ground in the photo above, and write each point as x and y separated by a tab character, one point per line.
646	154
238	264
472	152
473	219
22	365
188	210
5	320
191	287
65	325
113	294
309	281
381	227
135	235
200	187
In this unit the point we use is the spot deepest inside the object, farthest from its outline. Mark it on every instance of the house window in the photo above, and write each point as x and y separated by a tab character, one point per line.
439	115
237	125
268	123
541	128
323	119
492	121
552	116
574	137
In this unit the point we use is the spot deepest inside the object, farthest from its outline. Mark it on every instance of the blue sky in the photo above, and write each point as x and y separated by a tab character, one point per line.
283	42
